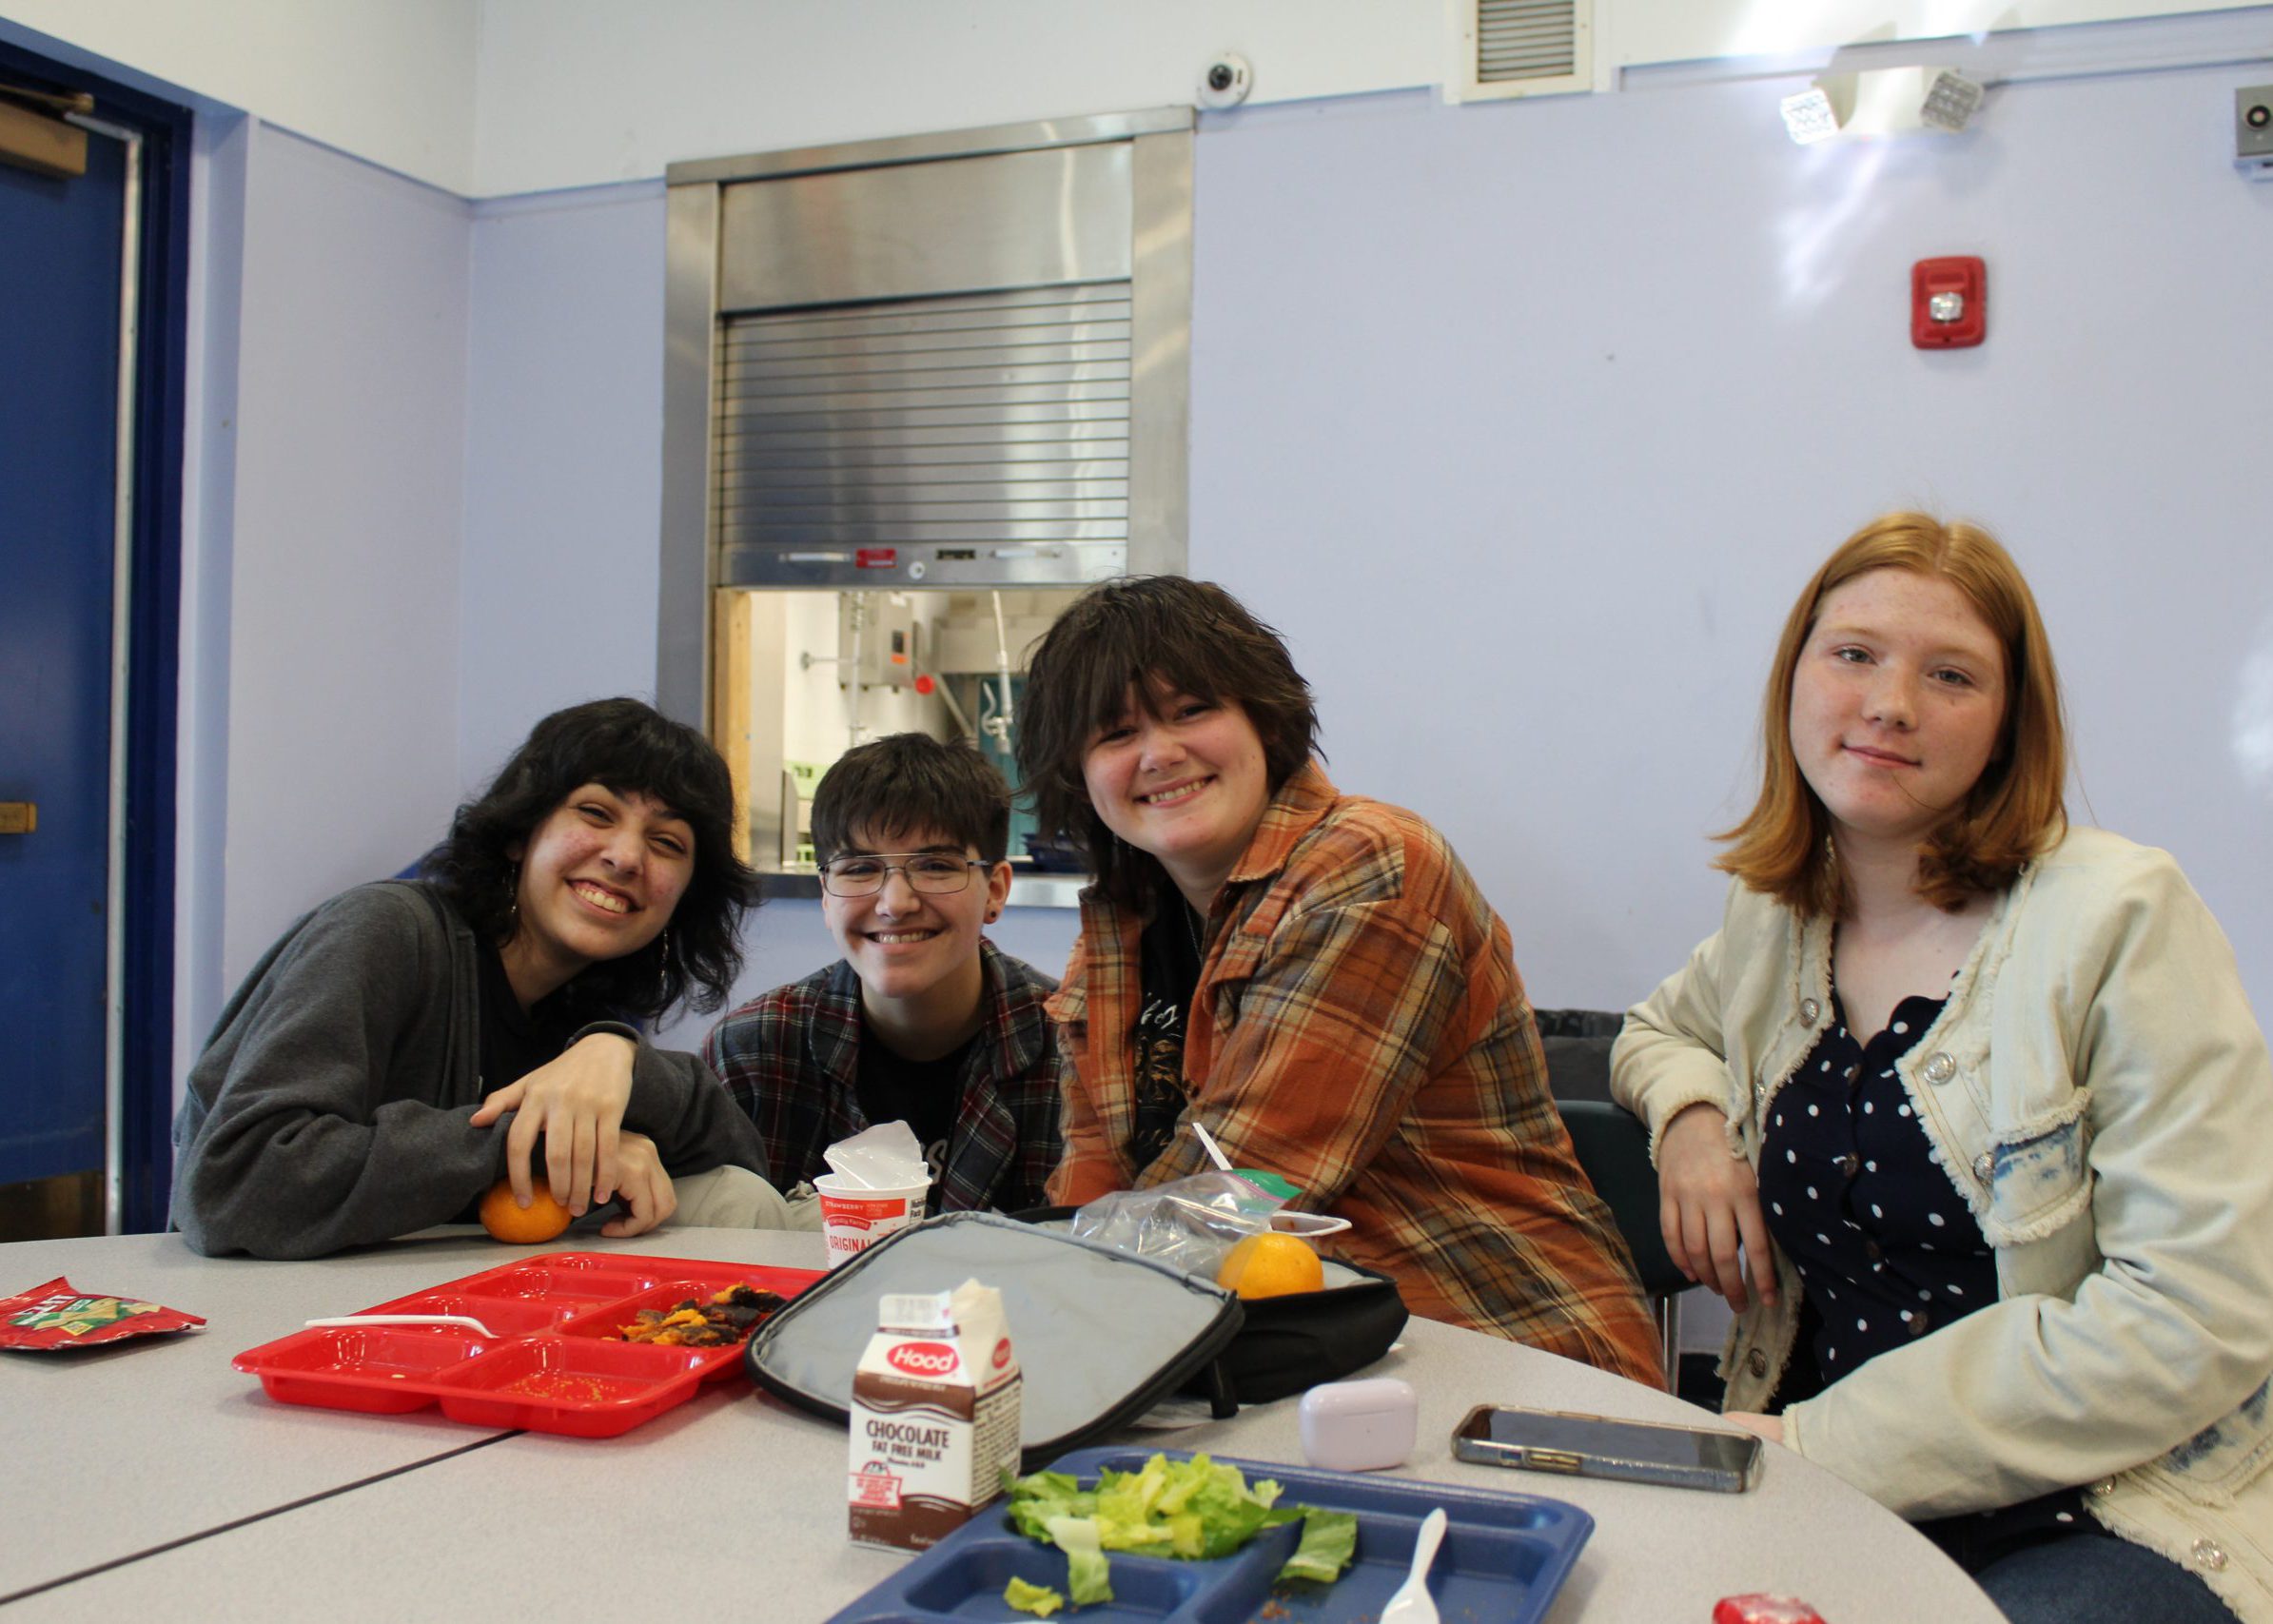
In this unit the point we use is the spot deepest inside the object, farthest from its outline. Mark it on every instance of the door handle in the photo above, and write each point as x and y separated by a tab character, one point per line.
18	817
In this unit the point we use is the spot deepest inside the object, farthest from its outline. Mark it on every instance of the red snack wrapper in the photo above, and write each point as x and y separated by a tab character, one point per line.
1758	1608
58	1316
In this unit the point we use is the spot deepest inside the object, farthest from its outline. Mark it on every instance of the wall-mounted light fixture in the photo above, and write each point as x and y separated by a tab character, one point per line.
1887	101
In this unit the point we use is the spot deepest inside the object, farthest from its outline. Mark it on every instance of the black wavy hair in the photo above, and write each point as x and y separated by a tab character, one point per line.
631	749
1146	633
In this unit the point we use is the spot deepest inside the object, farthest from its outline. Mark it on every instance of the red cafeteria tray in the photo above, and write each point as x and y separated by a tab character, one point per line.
557	1363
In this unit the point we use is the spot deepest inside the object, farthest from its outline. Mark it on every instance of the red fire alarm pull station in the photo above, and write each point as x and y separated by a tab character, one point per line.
1949	303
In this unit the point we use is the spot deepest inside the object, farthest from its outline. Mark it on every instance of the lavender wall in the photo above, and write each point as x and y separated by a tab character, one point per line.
347	457
1527	423
564	439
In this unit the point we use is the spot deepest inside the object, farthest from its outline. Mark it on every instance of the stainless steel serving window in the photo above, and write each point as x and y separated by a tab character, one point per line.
944	364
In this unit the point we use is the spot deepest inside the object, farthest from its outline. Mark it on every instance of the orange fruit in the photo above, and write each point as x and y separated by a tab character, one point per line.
506	1218
1271	1266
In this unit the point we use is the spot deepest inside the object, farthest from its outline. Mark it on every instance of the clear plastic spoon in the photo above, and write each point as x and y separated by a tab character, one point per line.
1411	1603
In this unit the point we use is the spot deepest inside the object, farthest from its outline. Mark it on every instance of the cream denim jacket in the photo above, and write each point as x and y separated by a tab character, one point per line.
2099	1093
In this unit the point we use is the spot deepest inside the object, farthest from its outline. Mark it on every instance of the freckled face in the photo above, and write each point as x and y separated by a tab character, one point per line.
599	878
1896	704
1187	786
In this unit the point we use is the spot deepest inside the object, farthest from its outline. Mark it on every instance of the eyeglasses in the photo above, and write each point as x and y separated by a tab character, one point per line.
934	873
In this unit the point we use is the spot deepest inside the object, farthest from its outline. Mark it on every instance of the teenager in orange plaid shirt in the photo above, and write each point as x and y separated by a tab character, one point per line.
1312	976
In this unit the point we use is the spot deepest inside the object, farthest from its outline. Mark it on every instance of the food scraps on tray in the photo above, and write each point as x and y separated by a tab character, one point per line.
1194	1509
57	1317
728	1317
554	1384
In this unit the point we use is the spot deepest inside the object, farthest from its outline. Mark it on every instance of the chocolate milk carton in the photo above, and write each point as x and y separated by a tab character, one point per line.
934	1416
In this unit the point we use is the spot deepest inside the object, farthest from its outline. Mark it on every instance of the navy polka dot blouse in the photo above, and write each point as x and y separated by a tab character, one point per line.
1885	1248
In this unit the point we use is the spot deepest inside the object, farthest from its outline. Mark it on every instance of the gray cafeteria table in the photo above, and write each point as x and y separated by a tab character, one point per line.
178	1482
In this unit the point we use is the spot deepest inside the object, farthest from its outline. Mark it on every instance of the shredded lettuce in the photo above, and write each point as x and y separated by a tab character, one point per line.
1087	1577
1330	1544
1040	1600
1195	1509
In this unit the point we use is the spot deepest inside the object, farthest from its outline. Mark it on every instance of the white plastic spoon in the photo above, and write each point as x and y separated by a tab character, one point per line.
1411	1603
1215	1151
465	1321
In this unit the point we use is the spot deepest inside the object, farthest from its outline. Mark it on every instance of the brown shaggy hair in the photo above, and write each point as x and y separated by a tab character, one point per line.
912	784
2014	810
1152	635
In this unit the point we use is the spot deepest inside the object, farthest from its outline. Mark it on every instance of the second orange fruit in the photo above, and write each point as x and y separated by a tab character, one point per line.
1271	1266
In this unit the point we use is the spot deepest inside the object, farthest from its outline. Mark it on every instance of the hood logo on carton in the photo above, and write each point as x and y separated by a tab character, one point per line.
1001	1352
924	1358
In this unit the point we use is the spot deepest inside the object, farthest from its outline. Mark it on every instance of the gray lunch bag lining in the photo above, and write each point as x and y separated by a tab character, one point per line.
1100	1336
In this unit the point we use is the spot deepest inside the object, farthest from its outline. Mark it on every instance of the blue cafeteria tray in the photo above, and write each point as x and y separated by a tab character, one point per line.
1504	1558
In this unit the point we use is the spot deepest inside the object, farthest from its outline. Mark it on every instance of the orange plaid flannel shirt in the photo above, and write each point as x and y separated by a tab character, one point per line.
1359	1028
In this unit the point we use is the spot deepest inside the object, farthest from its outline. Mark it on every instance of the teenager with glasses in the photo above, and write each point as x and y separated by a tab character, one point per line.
1312	977
922	1020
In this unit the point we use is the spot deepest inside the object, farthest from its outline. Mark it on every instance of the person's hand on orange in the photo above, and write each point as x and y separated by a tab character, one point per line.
643	1186
577	1104
1708	1206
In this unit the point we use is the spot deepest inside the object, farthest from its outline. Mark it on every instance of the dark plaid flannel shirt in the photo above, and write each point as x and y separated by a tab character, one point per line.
792	1061
1359	1028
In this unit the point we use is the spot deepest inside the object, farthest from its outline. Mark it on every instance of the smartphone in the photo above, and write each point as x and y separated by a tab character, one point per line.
1598	1446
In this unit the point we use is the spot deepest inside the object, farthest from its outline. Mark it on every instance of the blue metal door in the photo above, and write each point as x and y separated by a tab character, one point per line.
61	243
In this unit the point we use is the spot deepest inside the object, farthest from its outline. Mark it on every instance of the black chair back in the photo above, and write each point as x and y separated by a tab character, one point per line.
1614	1150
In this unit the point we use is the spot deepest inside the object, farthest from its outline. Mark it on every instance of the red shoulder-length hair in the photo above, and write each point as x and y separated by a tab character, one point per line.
2014	810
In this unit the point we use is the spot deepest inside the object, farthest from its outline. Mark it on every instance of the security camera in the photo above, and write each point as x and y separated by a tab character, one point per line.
2253	131
1226	79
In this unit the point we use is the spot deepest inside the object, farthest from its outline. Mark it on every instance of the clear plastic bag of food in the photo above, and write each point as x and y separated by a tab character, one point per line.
1188	1223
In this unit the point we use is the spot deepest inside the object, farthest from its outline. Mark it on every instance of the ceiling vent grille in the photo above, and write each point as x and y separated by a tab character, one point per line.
1522	48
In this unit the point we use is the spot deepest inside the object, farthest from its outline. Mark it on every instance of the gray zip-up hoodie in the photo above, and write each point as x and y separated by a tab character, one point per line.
330	1107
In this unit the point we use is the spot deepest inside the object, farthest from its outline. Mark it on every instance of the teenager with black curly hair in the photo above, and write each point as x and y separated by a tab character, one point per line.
409	1043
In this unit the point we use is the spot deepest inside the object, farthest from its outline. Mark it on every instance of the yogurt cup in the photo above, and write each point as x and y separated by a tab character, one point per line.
856	1216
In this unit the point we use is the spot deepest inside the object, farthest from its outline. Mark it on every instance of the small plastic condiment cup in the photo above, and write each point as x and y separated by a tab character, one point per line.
855	1217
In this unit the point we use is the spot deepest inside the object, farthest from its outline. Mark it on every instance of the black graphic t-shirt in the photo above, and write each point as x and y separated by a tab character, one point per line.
1168	959
925	1094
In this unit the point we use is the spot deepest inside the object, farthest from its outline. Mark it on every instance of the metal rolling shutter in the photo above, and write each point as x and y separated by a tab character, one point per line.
993	427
